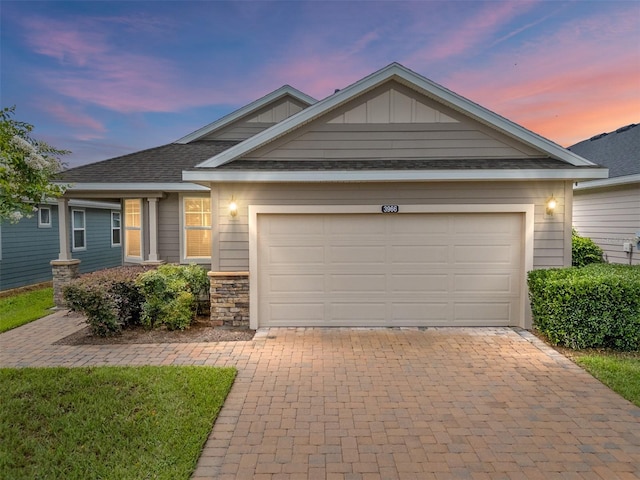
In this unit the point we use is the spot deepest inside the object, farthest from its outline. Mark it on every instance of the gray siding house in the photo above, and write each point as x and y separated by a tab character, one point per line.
608	210
27	247
392	202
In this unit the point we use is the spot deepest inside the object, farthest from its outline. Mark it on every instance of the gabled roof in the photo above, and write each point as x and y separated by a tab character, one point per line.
619	150
247	110
415	81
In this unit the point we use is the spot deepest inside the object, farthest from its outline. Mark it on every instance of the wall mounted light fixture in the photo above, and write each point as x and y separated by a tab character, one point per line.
233	208
551	205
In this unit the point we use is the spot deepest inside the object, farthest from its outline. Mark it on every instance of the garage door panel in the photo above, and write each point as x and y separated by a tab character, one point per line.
422	254
367	284
375	270
484	255
483	283
418	283
298	283
361	254
483	313
294	255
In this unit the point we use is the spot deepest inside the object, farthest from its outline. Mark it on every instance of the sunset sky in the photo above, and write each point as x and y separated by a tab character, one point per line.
107	78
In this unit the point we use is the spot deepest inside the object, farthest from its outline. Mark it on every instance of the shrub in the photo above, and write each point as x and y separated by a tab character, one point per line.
171	295
110	299
597	306
584	251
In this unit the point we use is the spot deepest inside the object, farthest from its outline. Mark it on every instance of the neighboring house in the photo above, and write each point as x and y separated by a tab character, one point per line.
608	210
392	202
27	247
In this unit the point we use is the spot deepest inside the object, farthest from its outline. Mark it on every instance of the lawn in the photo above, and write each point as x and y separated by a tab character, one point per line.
16	310
620	372
107	422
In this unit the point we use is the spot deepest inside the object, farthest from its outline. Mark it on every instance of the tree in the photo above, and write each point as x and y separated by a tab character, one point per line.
27	167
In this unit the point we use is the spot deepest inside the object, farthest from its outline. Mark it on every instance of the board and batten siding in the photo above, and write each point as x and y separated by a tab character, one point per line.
610	217
393	122
551	237
258	121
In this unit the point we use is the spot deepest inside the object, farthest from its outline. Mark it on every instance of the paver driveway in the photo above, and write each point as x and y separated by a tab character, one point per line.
385	403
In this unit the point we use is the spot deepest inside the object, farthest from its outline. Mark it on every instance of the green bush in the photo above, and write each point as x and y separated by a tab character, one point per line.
597	306
110	299
171	294
584	251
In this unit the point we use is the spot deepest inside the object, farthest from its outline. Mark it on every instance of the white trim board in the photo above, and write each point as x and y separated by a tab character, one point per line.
247	110
254	210
391	175
608	182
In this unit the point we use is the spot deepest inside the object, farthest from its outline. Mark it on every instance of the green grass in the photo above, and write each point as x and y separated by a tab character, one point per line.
26	307
621	373
107	422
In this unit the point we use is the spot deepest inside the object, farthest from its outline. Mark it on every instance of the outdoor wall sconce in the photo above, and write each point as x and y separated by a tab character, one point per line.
551	205
233	208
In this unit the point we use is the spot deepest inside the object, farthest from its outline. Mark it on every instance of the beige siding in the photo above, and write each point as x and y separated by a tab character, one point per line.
393	122
549	234
169	229
258	121
610	217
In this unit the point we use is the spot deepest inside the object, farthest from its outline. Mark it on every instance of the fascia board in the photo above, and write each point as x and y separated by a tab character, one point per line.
136	187
428	87
86	204
608	182
393	175
246	110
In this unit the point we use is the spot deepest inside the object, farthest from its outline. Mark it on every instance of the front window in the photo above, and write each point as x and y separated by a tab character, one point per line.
44	217
197	227
78	229
115	229
133	228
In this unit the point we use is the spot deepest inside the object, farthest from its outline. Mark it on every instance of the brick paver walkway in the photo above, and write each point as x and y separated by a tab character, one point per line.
385	403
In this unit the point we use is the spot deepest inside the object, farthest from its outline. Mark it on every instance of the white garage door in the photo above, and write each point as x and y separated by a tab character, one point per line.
389	269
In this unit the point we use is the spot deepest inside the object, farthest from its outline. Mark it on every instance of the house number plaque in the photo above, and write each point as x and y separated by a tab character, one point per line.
390	209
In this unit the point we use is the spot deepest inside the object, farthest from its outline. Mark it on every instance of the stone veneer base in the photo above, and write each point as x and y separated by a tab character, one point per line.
229	298
63	272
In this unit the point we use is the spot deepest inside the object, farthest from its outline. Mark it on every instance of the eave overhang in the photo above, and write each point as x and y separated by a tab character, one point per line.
608	182
262	176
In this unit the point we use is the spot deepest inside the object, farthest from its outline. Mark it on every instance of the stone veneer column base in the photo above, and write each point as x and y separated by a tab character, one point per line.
63	272
229	298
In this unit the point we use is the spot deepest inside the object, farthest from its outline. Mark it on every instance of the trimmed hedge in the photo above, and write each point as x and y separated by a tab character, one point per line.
171	295
110	299
597	306
584	251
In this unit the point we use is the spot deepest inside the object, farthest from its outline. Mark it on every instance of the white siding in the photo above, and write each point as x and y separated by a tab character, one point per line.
549	234
609	217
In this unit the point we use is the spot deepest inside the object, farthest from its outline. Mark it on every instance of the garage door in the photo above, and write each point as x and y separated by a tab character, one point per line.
389	269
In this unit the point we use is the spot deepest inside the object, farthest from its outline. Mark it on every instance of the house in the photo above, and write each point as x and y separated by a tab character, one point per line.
608	210
392	202
27	247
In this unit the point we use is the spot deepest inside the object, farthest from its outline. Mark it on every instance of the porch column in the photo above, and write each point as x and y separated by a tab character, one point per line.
63	229
153	232
64	268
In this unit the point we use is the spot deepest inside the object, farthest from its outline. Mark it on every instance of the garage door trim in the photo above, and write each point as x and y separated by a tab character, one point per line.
256	210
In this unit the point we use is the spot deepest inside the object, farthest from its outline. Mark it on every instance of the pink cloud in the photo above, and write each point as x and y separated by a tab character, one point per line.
85	127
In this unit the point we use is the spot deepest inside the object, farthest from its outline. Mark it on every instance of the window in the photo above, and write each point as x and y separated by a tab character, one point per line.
78	230
44	217
133	228
197	227
115	229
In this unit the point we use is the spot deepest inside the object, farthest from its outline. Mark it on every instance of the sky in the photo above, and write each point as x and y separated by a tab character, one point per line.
106	78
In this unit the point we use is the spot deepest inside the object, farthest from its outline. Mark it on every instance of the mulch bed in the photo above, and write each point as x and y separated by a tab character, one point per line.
199	331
